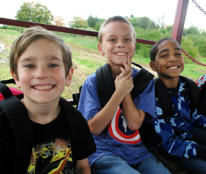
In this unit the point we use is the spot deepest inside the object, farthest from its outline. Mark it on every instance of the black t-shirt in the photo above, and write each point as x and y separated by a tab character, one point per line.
52	149
174	91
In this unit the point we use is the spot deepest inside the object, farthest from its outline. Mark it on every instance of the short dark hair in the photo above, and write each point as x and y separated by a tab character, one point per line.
154	49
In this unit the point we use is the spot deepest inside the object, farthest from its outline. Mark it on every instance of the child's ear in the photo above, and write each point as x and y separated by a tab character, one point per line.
69	77
15	79
153	66
100	49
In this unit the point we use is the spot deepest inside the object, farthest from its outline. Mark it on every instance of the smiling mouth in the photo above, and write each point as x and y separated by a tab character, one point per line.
43	87
120	54
173	67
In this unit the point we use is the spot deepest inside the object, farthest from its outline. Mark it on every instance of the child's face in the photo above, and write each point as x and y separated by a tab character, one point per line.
117	43
41	72
169	62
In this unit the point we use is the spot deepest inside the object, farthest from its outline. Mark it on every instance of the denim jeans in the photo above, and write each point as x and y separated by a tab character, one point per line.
116	165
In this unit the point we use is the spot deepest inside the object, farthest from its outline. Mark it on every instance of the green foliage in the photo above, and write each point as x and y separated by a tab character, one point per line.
98	25
188	45
34	12
149	34
134	21
78	22
9	27
143	22
202	46
191	31
83	41
92	22
200	41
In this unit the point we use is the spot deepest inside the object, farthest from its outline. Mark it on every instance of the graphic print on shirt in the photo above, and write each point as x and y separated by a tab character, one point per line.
55	157
119	130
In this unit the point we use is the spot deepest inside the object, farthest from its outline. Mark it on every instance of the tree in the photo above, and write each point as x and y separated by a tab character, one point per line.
91	21
191	31
78	22
34	12
143	22
58	21
98	25
134	21
188	45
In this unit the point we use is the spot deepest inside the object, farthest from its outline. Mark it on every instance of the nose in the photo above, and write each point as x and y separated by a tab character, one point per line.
41	73
173	58
120	44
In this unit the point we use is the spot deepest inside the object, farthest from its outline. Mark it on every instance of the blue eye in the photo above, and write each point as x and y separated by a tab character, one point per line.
29	66
112	40
127	40
53	65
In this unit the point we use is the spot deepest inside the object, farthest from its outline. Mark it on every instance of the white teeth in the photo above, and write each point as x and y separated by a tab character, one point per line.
43	87
173	67
121	54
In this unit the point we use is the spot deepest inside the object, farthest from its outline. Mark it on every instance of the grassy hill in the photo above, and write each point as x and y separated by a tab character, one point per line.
85	56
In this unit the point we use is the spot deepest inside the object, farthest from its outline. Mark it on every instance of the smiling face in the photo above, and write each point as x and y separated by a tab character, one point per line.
169	62
41	72
118	42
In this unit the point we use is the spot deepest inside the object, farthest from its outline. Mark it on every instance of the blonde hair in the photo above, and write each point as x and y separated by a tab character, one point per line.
32	34
112	19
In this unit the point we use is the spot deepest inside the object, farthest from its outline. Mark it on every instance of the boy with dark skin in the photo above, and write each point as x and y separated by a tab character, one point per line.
183	134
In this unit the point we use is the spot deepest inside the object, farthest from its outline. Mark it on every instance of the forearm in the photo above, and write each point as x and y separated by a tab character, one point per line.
100	121
82	167
171	143
133	115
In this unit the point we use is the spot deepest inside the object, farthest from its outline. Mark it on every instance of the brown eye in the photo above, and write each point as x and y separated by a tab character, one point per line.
164	56
178	54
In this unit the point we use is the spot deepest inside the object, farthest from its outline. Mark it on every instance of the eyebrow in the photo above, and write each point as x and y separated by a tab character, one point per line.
113	35
165	50
178	48
27	59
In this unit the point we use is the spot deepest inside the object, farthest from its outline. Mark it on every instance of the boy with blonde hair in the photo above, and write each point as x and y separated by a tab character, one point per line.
115	126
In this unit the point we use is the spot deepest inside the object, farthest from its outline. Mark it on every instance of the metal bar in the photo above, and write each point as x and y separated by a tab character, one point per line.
48	27
60	29
179	21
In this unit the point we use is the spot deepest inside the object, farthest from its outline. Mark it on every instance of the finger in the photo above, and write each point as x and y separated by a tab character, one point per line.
127	65
123	73
129	60
129	74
